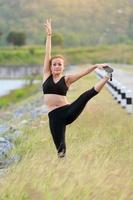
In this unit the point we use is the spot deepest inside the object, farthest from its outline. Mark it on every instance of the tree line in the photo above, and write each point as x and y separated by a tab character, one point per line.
19	38
82	23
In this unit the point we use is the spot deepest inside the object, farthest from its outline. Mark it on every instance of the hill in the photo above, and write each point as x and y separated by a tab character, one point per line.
81	22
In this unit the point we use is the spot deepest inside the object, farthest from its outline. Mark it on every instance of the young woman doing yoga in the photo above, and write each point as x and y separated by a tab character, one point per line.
55	87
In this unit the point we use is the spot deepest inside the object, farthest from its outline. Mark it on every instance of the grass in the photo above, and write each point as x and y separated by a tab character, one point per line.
18	95
119	53
99	158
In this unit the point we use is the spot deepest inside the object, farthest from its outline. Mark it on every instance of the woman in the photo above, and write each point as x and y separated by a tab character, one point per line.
55	87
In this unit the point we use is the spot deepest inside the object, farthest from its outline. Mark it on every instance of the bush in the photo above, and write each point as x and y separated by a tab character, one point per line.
16	38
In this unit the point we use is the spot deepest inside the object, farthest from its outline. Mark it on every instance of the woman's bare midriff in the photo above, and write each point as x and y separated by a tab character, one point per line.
54	101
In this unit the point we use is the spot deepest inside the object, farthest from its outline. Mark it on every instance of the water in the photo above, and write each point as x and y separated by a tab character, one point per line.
7	85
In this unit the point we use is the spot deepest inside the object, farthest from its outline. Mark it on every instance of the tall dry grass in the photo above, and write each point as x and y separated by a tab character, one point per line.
99	160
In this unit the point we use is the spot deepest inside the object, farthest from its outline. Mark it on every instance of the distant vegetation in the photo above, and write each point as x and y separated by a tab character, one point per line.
120	53
81	23
16	38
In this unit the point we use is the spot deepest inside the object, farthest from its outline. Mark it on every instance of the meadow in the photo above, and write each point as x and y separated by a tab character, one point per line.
34	54
99	160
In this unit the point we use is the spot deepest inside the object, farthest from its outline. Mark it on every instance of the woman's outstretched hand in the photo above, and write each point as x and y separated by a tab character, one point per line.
100	66
48	28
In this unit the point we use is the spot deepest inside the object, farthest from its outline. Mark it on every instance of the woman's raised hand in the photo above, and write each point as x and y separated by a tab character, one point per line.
48	28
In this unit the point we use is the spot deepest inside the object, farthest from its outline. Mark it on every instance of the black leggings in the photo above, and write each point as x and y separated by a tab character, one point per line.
62	116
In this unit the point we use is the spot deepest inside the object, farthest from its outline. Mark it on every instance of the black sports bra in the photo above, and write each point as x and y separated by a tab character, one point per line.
49	87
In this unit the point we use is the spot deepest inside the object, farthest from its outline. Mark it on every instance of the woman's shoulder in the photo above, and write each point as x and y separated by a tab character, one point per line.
46	77
66	77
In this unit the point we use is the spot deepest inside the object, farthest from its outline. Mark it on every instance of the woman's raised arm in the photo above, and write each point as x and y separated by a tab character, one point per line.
47	57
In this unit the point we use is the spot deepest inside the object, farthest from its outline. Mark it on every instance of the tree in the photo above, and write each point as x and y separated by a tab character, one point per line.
1	34
16	38
57	39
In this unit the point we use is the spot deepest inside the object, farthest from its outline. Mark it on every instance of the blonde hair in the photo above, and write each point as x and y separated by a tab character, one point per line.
54	57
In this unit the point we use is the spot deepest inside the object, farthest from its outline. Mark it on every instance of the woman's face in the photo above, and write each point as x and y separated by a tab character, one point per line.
57	66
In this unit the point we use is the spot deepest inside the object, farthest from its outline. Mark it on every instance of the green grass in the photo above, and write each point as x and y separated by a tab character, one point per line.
18	95
99	157
120	53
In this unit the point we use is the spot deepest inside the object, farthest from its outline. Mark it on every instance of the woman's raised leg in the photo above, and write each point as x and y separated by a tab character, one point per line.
100	84
78	105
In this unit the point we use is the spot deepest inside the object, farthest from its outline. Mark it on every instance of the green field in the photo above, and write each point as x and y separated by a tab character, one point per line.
120	53
99	157
18	95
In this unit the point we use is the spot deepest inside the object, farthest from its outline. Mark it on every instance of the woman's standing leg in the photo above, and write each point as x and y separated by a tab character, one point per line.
58	128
